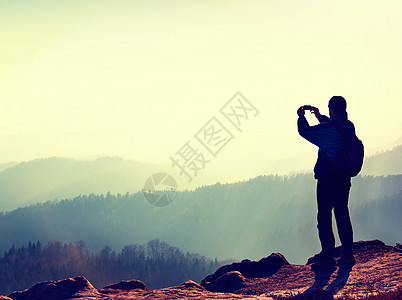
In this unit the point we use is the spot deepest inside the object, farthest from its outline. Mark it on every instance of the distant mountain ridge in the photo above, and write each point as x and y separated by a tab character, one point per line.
7	165
384	163
51	178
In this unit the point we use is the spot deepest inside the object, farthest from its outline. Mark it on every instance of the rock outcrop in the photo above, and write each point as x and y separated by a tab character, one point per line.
78	287
233	277
126	286
378	269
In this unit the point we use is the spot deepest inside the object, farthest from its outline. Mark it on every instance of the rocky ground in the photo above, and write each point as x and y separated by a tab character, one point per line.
378	269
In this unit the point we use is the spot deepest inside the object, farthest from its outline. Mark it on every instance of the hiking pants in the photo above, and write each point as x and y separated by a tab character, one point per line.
334	194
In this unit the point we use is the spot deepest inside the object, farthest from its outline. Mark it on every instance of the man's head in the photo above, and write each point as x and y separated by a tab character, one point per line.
337	106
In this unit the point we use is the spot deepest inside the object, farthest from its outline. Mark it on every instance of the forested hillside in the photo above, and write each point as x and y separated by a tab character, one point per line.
248	219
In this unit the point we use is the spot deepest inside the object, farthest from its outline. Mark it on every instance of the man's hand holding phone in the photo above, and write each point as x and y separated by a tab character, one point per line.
312	109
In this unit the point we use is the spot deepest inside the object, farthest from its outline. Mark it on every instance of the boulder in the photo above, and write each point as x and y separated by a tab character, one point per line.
247	269
61	289
228	282
127	285
189	284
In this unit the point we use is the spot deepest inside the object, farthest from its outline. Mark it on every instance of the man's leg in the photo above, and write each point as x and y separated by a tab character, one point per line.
324	217
342	216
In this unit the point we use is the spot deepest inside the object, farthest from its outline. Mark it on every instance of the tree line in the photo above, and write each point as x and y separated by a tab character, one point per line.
156	263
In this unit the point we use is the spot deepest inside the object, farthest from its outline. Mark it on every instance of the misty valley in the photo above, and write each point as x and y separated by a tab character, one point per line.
190	238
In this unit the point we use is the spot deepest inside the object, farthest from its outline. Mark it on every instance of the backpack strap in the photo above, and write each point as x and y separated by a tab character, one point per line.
339	126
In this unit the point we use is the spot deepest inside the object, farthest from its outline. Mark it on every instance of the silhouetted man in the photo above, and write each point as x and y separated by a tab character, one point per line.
332	188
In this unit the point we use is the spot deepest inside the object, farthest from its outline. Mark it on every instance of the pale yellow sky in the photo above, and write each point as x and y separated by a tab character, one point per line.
138	79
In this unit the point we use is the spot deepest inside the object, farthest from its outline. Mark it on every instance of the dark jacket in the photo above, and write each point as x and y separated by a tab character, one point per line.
328	139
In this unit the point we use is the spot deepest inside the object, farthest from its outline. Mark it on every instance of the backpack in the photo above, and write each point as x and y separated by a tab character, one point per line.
349	161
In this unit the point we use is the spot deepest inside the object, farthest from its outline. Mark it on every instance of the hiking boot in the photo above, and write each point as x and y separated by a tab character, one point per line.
324	262
346	259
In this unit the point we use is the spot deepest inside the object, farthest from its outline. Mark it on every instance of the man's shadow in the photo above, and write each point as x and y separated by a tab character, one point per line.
323	275
341	279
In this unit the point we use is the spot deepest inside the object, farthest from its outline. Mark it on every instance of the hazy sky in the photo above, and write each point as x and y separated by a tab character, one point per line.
138	79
